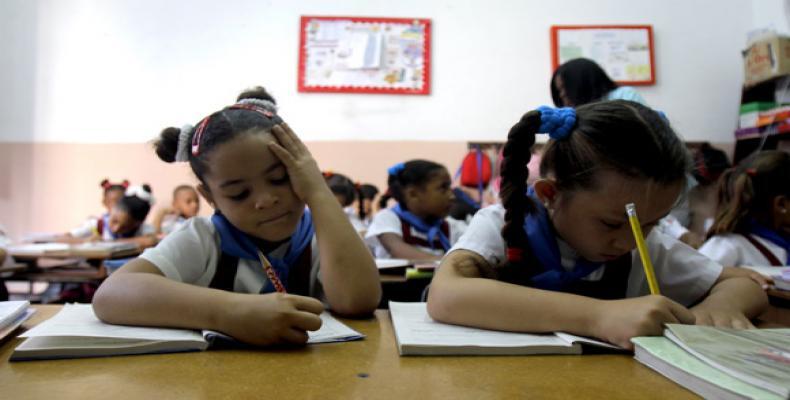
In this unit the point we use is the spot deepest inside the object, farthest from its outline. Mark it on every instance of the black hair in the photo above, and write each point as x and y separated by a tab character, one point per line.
414	173
709	164
341	185
221	127
747	192
365	191
583	82
368	191
136	207
603	138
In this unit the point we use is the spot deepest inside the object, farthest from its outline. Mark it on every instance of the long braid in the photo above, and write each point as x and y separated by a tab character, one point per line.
516	156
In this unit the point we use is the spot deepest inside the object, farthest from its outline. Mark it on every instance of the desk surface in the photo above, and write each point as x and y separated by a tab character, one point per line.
367	369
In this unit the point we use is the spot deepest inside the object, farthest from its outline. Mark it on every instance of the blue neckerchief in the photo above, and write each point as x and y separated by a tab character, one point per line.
461	195
770	235
239	244
430	230
544	246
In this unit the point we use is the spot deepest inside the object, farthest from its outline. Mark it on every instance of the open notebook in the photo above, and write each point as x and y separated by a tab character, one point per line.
719	362
76	332
418	334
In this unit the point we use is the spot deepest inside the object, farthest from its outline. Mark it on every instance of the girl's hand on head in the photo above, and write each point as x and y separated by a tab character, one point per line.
620	320
303	171
274	318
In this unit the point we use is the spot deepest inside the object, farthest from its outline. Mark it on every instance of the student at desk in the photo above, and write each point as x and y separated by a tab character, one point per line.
752	225
560	257
417	228
126	221
230	272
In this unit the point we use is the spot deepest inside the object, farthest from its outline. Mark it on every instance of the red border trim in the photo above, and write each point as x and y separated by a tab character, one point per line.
555	55
425	89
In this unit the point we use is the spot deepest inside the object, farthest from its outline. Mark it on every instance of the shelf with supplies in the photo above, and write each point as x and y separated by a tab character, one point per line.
764	115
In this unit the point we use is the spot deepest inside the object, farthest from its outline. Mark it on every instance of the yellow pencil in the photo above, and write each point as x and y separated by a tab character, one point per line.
630	210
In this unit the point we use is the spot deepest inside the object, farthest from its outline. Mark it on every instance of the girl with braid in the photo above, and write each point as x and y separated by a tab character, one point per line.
560	255
277	228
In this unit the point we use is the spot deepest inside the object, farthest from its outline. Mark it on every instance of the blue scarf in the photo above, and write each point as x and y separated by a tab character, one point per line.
544	246
430	230
770	235
239	244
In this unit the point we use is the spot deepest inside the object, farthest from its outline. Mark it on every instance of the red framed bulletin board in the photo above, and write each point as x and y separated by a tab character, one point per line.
364	55
625	52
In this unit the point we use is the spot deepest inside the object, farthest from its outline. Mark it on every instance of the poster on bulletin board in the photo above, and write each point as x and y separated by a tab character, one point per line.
364	55
625	52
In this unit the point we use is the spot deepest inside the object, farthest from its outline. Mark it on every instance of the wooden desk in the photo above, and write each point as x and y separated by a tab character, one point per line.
368	369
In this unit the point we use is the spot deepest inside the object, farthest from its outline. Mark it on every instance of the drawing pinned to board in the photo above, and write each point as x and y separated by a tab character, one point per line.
364	55
625	52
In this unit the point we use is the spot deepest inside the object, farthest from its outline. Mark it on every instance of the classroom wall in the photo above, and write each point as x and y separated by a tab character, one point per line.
88	83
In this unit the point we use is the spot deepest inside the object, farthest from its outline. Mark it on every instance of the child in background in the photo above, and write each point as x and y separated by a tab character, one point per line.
112	193
125	222
752	225
346	192
258	176
186	205
417	228
561	255
367	194
581	81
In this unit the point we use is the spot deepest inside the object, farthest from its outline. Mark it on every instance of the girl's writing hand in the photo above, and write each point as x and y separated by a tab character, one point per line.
620	320
271	318
306	178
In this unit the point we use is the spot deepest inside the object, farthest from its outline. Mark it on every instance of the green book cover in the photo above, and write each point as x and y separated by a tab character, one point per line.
688	371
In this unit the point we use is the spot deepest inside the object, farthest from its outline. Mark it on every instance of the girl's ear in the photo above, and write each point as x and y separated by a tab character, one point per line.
203	190
546	190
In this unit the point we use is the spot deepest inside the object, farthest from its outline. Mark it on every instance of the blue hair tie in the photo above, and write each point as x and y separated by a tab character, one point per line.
662	115
396	169
557	122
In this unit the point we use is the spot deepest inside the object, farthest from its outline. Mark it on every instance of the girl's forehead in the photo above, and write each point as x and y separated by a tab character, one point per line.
241	156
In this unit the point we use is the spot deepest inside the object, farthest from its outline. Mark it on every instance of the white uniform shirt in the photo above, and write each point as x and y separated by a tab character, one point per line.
191	255
684	274
386	221
734	250
171	223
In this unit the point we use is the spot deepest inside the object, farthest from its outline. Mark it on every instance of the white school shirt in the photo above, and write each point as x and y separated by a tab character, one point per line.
191	255
87	228
172	223
734	250
684	274
386	221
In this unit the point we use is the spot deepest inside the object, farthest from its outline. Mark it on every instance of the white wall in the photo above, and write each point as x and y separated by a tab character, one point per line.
771	14
119	71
